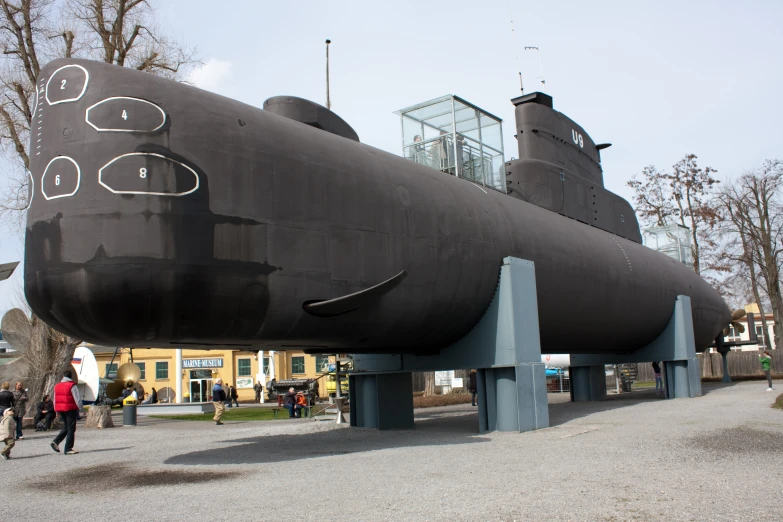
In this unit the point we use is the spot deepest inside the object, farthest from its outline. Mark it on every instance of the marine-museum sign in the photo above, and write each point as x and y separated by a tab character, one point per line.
202	363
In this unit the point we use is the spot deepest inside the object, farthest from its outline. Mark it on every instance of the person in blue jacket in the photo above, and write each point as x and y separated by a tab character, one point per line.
218	400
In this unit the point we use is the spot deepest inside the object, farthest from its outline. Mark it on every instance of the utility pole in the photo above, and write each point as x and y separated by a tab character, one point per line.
328	101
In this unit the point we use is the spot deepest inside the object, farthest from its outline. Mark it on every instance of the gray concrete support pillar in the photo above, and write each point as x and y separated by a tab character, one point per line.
512	398
683	379
588	383
382	400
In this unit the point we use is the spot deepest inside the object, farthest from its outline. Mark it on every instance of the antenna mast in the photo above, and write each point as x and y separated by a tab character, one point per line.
516	47
328	101
540	65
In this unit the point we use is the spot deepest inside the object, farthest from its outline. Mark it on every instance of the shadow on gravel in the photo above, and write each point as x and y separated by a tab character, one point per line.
106	449
51	453
567	411
121	476
437	430
708	387
34	456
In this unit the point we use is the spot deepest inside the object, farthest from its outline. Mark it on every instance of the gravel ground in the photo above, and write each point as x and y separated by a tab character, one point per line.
633	457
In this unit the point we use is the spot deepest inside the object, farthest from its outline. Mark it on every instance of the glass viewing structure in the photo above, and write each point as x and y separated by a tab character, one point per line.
455	137
671	240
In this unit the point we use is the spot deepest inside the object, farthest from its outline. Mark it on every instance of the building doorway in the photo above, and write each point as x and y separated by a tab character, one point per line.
201	386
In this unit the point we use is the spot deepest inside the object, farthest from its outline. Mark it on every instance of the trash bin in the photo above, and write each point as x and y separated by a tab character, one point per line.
129	411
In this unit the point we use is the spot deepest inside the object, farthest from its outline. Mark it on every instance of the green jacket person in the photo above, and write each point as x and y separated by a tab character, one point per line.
766	363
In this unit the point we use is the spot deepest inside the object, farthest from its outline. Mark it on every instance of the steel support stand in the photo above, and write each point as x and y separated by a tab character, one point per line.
504	347
723	350
675	347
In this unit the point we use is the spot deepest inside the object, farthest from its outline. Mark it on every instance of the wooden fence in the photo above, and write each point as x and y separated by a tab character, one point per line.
741	364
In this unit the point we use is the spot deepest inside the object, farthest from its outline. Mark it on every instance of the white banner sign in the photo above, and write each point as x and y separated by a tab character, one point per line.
444	378
244	382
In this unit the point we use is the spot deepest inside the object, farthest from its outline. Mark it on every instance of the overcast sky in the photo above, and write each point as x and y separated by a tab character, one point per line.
657	80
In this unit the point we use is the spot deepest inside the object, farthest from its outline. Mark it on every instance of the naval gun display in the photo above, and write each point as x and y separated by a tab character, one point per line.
164	215
277	389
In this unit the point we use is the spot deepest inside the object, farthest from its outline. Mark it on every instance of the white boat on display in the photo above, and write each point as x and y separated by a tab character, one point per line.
86	367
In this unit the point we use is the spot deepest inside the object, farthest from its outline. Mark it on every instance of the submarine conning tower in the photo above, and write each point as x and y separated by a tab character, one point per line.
559	169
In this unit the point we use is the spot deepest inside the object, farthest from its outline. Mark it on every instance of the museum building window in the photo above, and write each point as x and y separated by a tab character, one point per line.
161	370
297	364
143	367
243	368
111	371
321	363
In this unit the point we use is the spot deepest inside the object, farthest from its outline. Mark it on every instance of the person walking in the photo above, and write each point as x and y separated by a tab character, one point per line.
20	407
233	396
7	432
766	363
258	388
218	401
67	404
6	397
472	387
658	381
227	402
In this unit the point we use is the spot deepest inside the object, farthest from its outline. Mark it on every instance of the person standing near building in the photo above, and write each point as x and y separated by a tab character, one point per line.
20	406
472	387
766	364
658	381
227	402
7	429
233	396
258	388
67	404
218	401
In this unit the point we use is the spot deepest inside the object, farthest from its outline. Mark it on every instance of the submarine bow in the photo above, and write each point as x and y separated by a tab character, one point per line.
163	215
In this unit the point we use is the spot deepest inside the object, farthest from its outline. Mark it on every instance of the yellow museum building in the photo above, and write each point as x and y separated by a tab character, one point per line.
200	368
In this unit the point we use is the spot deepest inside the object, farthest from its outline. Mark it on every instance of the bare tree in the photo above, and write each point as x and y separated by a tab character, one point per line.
123	32
692	188
47	352
740	259
651	197
32	33
684	196
25	31
429	384
754	203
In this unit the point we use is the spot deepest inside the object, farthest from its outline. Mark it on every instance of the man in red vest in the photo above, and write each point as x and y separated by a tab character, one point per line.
67	403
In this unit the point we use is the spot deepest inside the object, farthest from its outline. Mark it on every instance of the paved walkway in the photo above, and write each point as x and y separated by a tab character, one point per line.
632	457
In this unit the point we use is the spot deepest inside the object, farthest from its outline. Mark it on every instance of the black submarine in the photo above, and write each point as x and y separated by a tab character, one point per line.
163	215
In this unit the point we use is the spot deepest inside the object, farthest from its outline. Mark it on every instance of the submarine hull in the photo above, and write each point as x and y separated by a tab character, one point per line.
163	215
